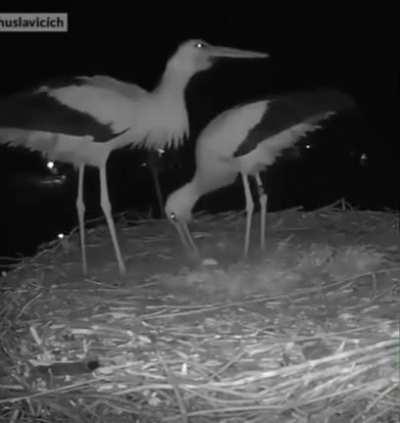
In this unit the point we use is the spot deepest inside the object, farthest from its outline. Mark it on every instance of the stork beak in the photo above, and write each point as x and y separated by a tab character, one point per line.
185	237
219	51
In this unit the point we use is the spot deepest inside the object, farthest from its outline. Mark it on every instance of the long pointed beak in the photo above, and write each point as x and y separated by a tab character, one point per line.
185	237
219	51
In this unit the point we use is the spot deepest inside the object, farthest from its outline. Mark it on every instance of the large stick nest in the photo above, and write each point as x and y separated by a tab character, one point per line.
307	331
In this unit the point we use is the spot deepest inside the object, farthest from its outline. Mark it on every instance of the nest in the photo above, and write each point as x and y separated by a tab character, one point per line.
307	331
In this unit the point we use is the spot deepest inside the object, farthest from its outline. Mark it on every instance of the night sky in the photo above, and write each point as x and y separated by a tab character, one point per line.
352	50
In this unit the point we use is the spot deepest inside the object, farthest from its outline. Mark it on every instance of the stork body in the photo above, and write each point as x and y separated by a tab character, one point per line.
81	121
247	139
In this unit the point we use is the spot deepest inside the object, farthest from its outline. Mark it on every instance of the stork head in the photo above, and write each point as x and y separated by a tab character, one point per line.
196	55
178	209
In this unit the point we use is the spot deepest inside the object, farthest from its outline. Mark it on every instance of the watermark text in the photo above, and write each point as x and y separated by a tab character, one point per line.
33	22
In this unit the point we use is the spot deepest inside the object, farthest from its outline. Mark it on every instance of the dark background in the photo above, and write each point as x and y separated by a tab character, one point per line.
352	50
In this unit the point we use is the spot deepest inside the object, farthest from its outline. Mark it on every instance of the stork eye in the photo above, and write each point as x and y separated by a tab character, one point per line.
200	44
172	216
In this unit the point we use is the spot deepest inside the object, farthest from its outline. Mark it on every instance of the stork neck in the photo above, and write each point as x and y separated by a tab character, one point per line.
172	84
185	199
191	193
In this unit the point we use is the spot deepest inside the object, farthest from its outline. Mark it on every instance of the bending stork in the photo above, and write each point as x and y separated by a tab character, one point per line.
83	120
247	139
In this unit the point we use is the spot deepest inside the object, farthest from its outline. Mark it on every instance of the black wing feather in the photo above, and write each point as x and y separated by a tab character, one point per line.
41	112
286	111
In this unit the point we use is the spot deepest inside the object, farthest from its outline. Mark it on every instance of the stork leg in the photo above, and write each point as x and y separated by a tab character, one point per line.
249	212
156	180
263	209
106	206
80	206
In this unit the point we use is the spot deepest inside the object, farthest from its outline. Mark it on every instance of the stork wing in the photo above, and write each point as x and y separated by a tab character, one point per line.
301	111
131	91
44	114
108	101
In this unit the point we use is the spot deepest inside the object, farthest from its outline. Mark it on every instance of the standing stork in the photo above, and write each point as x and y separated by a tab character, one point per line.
83	120
247	139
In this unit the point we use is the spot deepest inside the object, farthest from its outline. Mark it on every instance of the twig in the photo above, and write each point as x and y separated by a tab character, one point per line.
375	401
233	360
29	303
172	380
50	391
223	410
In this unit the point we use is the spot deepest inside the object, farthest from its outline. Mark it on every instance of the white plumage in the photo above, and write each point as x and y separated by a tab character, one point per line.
247	139
82	120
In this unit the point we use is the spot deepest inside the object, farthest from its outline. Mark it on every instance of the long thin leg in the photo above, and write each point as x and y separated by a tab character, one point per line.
106	206
80	206
249	212
156	180
263	209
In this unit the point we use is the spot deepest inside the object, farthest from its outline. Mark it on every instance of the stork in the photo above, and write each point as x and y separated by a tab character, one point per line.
247	139
81	121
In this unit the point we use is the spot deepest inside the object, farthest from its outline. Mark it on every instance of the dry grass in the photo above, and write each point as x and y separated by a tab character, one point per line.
307	332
